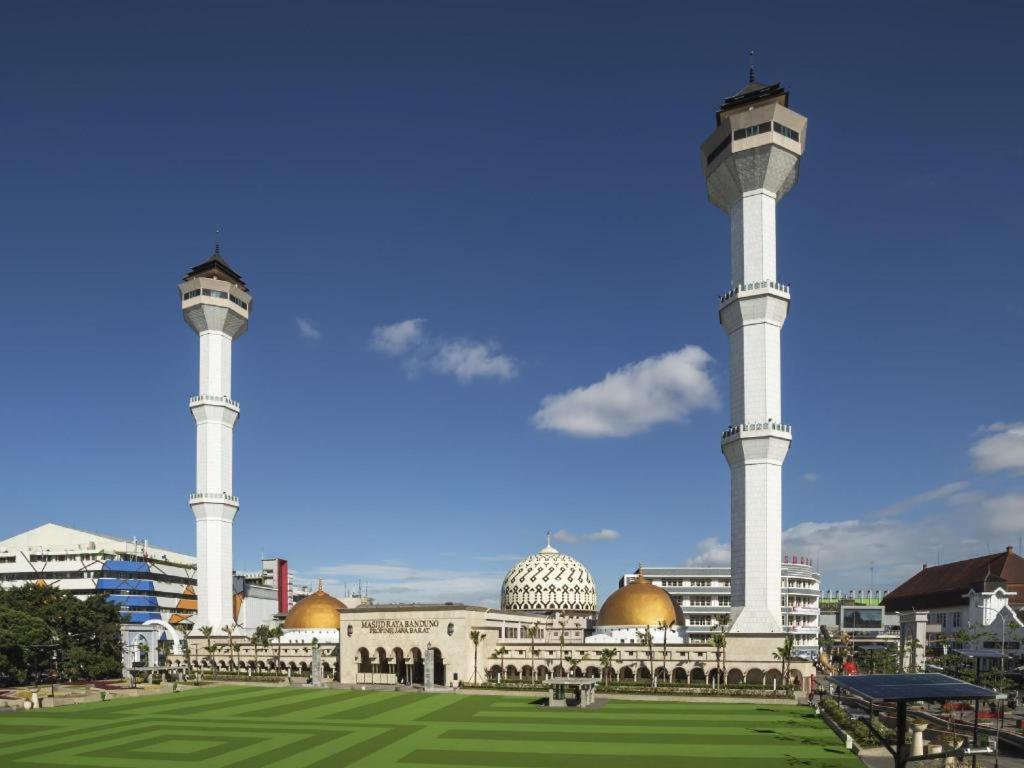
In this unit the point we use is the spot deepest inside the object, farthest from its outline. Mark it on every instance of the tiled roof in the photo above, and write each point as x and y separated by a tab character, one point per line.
945	585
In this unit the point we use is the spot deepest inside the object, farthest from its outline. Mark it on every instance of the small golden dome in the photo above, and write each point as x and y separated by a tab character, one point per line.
318	611
639	604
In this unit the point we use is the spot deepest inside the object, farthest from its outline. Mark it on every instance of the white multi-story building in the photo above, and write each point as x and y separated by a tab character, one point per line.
704	595
147	583
751	161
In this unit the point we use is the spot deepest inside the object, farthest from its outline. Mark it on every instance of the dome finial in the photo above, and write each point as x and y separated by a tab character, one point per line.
751	67
320	585
549	538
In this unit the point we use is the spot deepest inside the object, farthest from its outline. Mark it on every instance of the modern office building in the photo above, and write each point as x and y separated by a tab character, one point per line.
704	595
145	581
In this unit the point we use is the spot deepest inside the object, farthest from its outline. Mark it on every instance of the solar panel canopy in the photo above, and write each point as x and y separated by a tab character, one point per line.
917	687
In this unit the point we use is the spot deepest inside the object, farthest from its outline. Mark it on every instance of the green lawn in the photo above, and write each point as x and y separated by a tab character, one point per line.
245	727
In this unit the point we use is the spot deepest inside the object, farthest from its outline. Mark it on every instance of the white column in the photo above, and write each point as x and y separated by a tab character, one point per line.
213	504
754	324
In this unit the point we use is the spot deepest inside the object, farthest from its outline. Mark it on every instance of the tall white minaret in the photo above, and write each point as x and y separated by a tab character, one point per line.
750	162
216	303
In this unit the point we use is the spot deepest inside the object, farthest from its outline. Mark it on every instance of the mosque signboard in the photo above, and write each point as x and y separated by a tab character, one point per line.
399	626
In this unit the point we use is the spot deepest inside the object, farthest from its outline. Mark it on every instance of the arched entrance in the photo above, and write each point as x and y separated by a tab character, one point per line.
362	661
439	670
698	677
400	667
417	666
679	675
755	677
735	677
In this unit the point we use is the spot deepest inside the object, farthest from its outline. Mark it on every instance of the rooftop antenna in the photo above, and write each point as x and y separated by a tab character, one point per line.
751	67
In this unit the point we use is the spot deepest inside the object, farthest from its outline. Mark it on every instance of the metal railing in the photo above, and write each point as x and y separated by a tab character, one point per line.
771	426
213	497
212	399
755	286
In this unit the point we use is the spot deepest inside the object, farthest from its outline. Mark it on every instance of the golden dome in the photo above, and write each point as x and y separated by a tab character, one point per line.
639	604
318	611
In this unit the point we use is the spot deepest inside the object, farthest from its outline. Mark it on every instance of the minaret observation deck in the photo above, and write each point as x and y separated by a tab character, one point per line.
216	304
750	162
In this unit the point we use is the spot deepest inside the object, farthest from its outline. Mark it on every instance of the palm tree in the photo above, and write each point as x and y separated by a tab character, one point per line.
606	657
647	638
718	642
260	639
784	654
574	661
499	654
561	645
531	632
665	626
475	636
206	632
276	634
228	630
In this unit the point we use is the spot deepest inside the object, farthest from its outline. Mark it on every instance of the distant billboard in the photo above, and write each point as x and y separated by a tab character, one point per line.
860	617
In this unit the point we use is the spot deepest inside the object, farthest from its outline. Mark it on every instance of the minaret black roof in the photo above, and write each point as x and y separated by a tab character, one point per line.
754	92
216	264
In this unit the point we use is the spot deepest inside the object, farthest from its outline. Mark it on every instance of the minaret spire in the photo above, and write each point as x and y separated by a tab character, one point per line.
216	304
751	161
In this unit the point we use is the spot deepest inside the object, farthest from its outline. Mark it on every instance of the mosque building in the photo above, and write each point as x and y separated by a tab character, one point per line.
549	623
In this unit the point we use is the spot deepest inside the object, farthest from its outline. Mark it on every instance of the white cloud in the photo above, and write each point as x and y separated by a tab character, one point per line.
896	547
634	398
468	360
392	582
465	359
397	338
711	552
605	534
306	328
1003	448
947	491
809	477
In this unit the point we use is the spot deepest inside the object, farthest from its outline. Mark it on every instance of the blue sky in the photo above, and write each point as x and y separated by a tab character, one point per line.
518	183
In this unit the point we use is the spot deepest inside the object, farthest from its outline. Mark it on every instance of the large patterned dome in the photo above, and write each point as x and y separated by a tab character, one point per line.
549	581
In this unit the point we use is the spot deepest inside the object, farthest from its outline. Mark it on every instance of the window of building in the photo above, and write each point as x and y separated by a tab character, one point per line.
700	601
955	620
753	130
789	133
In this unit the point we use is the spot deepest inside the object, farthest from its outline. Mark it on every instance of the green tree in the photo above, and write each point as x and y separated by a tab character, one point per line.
475	637
229	630
211	649
499	654
531	633
260	639
719	641
646	637
665	626
784	654
561	645
276	634
86	632
606	656
574	661
21	638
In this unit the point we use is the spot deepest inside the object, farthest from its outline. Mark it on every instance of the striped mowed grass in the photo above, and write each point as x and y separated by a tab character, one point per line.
249	727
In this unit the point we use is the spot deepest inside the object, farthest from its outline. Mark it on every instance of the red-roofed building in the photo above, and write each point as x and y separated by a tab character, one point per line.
980	599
